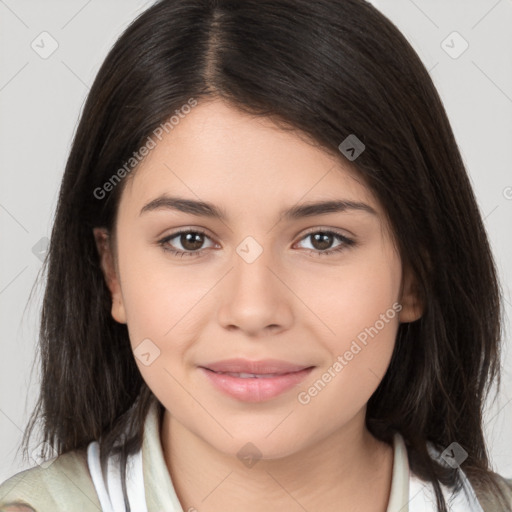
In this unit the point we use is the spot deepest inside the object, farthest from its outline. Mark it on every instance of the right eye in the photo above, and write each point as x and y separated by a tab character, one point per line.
181	237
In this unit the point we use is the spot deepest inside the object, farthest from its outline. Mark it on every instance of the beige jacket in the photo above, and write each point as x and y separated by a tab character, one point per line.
66	484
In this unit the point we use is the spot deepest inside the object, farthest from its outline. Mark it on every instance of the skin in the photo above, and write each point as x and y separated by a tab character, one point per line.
290	303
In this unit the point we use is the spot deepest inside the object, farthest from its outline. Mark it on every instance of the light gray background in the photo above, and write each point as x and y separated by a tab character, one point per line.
40	101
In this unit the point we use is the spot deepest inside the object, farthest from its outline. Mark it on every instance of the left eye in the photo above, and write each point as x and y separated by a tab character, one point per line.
192	240
322	239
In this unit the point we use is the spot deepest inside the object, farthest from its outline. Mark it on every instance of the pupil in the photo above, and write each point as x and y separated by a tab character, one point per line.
322	240
192	241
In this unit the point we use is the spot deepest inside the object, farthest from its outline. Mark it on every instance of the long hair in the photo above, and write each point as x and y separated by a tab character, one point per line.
328	69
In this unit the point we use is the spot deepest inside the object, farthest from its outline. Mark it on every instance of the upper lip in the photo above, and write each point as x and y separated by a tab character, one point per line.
256	367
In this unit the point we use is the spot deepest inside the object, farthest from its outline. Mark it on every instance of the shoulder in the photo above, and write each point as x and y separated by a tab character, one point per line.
52	486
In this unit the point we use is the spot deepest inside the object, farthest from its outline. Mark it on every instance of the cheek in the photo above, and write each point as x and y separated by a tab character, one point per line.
167	307
160	298
360	309
353	297
162	318
362	313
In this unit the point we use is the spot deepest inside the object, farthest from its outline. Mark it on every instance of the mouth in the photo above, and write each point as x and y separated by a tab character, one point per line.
262	367
254	381
251	375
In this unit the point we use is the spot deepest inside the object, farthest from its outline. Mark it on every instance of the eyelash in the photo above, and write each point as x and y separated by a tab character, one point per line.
347	242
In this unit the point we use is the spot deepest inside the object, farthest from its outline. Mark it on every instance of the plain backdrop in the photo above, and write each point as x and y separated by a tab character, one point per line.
465	44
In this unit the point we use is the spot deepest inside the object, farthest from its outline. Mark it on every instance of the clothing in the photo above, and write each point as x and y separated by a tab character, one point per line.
76	478
109	488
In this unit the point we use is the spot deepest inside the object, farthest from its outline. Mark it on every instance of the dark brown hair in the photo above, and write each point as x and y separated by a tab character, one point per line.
328	69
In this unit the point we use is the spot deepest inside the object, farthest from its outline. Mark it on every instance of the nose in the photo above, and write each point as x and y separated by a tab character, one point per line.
254	296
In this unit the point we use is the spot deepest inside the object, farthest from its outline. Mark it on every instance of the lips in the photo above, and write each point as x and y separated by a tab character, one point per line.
254	381
265	367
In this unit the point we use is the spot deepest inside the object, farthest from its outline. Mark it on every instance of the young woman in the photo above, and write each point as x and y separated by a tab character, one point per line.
269	284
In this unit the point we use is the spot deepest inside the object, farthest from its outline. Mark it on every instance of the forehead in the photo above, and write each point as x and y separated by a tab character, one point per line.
220	154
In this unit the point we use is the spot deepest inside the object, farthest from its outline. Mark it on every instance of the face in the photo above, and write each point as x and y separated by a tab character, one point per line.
319	291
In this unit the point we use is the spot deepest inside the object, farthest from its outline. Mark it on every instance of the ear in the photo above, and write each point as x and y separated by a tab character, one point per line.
411	300
107	263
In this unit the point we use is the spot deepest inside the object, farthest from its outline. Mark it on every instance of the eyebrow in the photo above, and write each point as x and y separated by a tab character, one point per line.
205	209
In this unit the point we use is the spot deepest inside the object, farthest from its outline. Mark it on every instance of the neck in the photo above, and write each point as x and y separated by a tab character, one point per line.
332	474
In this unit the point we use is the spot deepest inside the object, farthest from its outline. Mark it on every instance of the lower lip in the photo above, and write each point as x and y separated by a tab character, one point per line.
254	389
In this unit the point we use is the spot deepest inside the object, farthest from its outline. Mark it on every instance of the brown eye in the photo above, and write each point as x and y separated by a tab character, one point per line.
322	240
188	242
191	241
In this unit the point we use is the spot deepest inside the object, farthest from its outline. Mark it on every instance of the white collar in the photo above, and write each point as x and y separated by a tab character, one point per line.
422	494
109	487
422	497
